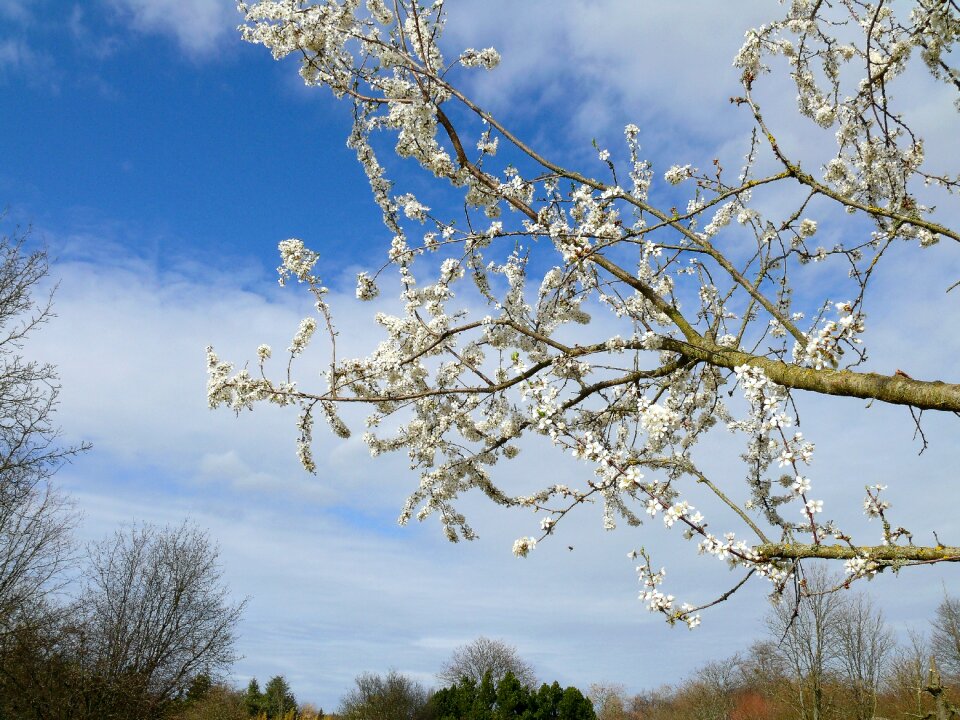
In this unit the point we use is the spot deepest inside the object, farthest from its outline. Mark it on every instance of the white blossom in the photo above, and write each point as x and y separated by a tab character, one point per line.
677	174
302	338
523	546
366	287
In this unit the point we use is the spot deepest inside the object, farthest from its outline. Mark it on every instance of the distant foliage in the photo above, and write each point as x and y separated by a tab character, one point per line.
385	697
483	656
835	660
219	702
146	619
274	703
141	641
946	635
509	699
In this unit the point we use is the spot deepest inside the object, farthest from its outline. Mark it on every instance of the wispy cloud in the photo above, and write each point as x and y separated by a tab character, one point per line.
90	42
19	59
608	63
198	26
16	10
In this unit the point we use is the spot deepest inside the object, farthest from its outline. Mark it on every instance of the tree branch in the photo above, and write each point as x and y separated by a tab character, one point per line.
886	554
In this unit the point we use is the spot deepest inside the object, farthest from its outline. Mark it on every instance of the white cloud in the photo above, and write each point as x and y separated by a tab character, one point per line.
661	65
15	54
199	26
18	58
668	67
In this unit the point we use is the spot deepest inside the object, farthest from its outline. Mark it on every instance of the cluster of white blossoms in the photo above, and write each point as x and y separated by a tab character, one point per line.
523	546
487	58
678	173
657	601
413	208
734	551
658	421
807	228
617	315
770	444
240	390
764	397
861	567
300	341
825	347
366	287
297	261
873	506
796	449
874	161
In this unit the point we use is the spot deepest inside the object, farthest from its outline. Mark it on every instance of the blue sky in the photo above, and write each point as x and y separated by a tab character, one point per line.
160	160
211	150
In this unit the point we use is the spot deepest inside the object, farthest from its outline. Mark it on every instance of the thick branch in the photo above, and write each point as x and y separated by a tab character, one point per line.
881	553
894	389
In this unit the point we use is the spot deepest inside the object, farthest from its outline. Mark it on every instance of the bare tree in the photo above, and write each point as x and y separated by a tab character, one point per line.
865	646
36	524
713	689
484	655
35	520
389	697
907	675
156	613
805	623
29	451
609	701
945	640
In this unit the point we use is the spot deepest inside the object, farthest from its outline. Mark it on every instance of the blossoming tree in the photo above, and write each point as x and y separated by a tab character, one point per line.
711	337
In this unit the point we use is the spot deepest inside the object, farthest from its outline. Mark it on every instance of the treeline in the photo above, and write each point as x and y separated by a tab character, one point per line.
217	701
494	684
395	697
508	699
830	657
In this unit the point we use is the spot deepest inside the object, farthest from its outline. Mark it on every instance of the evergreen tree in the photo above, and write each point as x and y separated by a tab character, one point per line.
278	698
253	698
199	688
548	700
485	698
452	703
513	699
574	706
509	700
